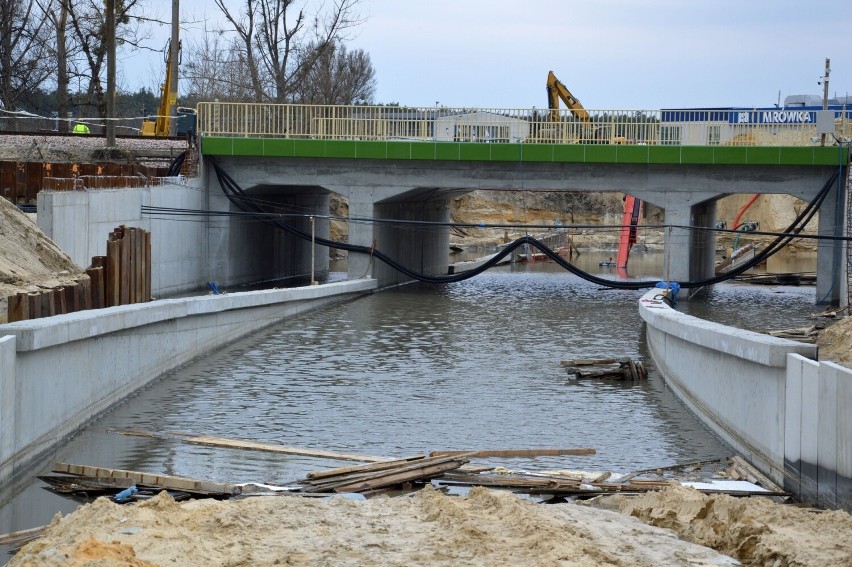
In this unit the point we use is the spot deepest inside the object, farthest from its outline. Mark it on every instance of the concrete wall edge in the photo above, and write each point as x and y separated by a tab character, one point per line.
51	331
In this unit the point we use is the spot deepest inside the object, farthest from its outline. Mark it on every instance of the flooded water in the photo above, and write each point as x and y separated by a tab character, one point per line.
472	365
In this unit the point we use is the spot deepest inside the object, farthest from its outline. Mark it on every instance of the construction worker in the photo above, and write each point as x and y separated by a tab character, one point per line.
80	128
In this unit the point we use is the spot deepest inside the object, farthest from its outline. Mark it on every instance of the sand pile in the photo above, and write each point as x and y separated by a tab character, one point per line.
835	342
425	528
754	530
29	260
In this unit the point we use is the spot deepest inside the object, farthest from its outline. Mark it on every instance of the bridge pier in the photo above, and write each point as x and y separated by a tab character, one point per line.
421	248
831	265
689	254
243	250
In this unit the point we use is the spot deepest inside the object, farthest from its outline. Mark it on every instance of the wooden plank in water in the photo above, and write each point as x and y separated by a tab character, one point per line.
513	453
274	448
14	539
225	443
589	361
159	480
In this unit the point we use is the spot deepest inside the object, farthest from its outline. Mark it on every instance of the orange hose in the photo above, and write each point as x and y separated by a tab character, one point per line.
743	209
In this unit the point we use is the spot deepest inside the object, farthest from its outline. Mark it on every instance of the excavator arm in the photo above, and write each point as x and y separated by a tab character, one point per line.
555	91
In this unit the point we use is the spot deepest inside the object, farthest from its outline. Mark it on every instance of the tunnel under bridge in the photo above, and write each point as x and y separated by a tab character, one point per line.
415	181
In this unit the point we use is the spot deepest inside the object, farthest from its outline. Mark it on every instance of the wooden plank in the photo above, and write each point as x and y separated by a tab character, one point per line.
15	538
34	305
513	453
211	441
602	477
509	481
99	262
274	448
124	271
71	299
362	468
132	245
401	477
84	292
59	300
330	483
147	275
759	477
113	269
589	361
159	480
688	465
16	307
139	270
48	308
96	276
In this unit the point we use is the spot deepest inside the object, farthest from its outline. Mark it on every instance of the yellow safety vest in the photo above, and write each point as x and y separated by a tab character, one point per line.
80	129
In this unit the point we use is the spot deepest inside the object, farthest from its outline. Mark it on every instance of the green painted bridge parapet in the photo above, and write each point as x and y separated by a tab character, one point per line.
524	153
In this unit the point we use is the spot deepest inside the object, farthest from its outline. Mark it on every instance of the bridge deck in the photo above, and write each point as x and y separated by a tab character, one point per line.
520	152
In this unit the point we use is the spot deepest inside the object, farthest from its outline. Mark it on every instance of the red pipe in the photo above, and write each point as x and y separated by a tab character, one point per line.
629	221
743	209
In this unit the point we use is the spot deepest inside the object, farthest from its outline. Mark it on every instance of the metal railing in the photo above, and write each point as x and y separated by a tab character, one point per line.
734	127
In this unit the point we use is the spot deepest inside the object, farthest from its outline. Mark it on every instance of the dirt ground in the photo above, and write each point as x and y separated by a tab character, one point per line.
679	526
29	261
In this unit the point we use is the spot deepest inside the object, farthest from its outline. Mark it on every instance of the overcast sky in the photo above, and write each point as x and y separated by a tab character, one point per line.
612	54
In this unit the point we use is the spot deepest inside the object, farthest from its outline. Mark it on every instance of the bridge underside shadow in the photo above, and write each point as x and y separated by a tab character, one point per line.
244	250
380	190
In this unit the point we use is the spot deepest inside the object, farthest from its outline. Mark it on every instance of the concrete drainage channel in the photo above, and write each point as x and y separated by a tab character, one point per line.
80	364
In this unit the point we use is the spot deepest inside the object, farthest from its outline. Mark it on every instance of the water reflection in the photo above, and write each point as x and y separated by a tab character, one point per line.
473	365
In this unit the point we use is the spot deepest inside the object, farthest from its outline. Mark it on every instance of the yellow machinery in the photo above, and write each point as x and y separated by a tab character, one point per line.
556	91
168	99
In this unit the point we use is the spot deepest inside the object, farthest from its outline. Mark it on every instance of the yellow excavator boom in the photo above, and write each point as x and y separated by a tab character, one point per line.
555	91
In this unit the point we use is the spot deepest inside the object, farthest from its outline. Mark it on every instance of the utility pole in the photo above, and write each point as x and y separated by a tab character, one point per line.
825	93
111	65
174	55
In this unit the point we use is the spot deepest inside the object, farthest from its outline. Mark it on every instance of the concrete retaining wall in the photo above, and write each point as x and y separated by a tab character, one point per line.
818	432
60	372
762	395
79	222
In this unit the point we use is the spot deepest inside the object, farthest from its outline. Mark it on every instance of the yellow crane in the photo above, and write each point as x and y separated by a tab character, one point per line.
168	99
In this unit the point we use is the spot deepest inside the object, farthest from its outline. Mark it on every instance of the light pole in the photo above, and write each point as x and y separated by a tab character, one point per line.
825	93
435	123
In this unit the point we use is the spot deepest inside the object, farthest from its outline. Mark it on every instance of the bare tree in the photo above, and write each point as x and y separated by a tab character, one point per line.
88	28
339	76
24	64
278	45
215	70
57	14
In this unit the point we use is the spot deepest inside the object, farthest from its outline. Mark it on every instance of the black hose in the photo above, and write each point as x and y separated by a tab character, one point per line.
241	200
176	165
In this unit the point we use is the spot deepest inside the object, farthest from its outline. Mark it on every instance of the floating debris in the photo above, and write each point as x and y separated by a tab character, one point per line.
623	369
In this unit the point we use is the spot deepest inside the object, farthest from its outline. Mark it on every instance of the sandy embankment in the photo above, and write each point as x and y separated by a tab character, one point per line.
429	528
29	260
425	528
